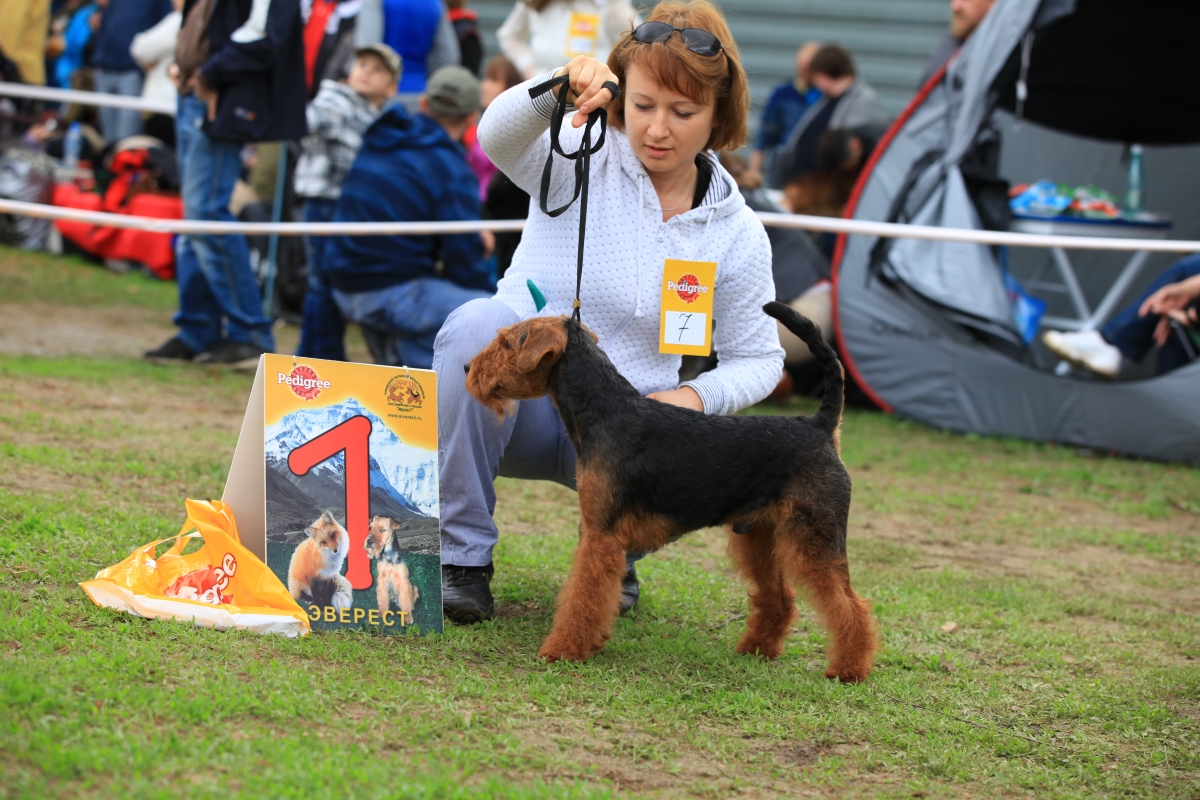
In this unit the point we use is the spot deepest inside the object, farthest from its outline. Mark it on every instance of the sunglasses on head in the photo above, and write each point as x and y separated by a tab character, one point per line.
699	41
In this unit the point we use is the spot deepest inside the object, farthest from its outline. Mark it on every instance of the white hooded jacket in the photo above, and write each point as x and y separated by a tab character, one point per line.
626	246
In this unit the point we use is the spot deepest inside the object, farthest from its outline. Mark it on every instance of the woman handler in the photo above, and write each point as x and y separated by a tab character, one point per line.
656	196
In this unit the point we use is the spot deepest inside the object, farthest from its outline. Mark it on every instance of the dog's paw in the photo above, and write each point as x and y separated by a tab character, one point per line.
847	674
556	649
766	649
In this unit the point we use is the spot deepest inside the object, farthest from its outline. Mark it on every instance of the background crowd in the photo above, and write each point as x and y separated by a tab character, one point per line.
380	128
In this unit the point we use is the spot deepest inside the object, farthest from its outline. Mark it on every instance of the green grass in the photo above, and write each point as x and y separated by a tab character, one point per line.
35	278
1072	671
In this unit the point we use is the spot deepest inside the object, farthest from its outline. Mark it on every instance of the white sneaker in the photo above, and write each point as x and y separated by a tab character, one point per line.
1085	349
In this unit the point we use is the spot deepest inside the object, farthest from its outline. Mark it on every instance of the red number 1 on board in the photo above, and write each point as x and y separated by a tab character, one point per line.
353	436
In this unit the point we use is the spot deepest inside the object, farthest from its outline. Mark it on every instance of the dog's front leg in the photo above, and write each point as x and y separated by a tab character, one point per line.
589	602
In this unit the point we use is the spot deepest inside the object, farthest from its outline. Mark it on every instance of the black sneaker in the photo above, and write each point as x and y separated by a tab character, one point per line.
467	593
173	350
630	590
232	354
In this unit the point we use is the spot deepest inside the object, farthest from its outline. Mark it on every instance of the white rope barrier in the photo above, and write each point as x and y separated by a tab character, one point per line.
795	221
85	98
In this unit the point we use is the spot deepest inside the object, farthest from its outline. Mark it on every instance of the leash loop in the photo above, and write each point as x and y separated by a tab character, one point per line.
582	158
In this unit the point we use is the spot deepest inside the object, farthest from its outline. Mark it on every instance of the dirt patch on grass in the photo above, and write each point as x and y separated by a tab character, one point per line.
633	761
1167	584
46	330
49	331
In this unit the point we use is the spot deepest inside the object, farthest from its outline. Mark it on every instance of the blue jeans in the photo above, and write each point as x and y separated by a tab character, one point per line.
413	311
118	123
323	332
1134	335
216	283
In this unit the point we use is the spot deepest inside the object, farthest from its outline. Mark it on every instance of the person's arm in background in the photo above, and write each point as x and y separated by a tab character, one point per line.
153	45
445	50
514	38
368	28
322	116
1171	302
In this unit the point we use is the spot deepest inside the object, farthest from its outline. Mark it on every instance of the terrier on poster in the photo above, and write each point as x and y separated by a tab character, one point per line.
341	502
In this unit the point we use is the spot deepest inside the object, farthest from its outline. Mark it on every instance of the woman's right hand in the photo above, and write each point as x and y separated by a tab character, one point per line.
587	79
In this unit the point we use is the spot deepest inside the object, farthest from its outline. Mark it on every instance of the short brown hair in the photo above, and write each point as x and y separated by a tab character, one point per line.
718	79
832	60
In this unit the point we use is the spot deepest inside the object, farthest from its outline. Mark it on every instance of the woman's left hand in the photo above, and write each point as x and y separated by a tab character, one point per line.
587	79
684	397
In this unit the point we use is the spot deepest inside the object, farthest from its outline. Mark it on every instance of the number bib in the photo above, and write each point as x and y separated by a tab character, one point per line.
582	33
685	327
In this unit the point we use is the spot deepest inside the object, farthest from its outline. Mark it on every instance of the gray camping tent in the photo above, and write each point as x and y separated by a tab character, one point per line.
925	328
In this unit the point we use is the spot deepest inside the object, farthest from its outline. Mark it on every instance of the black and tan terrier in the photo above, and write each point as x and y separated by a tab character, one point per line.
648	472
394	590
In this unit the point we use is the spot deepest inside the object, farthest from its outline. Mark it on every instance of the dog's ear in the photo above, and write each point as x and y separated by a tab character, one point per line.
546	339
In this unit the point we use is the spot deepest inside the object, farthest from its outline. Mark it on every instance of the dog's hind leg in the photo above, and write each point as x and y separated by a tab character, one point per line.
772	601
589	602
853	639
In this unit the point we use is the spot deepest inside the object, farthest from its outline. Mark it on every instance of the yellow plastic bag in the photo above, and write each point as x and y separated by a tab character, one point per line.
246	596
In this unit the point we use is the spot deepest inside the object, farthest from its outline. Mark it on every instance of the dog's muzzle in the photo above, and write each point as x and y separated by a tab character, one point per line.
467	368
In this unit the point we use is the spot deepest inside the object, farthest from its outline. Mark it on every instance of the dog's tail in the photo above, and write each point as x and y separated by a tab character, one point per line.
829	416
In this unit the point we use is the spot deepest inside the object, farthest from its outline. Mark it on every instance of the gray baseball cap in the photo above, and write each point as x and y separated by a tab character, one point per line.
390	57
453	91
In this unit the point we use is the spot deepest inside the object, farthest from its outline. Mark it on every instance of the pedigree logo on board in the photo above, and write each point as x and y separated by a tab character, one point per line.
304	382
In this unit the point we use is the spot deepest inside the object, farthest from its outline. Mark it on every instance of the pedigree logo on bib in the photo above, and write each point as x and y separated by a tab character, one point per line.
687	306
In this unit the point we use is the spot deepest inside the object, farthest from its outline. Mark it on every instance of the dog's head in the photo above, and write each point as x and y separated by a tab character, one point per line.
518	362
379	535
329	534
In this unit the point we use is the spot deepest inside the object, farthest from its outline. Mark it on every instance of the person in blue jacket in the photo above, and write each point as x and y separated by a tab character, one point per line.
250	89
76	37
412	168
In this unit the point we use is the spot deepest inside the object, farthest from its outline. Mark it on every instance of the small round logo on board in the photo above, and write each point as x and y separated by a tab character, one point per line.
405	393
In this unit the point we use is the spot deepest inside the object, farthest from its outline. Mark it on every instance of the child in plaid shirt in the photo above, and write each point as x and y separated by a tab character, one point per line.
337	118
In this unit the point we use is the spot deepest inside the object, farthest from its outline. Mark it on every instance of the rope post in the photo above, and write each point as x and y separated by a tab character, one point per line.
273	241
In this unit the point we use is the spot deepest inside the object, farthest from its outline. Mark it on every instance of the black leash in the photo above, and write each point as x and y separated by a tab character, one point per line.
582	158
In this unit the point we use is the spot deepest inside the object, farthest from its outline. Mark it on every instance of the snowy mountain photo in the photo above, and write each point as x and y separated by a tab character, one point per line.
403	478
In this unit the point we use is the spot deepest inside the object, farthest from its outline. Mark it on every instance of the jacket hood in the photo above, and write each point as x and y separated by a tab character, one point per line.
397	129
632	166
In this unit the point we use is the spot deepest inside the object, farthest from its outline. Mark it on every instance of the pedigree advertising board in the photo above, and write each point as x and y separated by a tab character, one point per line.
334	484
